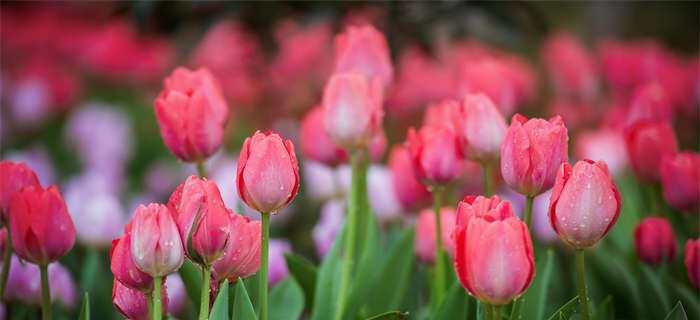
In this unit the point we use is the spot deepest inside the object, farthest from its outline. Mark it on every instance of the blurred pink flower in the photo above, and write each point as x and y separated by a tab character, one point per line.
364	50
177	295
277	264
425	233
329	224
571	67
603	144
37	158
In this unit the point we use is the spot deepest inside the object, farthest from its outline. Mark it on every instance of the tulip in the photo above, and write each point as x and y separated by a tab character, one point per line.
278	265
481	128
131	303
425	233
192	114
24	284
241	257
655	241
97	212
605	145
493	251
410	192
680	179
647	143
177	295
315	142
649	102
692	261
38	158
363	50
13	178
123	267
319	181
435	154
382	197
444	113
329	224
571	67
353	109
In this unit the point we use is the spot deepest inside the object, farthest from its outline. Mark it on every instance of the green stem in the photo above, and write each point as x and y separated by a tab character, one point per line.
45	293
201	171
488	178
157	303
496	312
440	272
149	303
204	297
515	310
489	311
262	285
581	279
528	210
6	256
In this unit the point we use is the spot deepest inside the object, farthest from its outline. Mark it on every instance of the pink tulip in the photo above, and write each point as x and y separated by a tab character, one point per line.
424	243
353	109
24	284
435	154
692	261
494	258
123	267
131	303
192	114
680	179
585	203
410	192
202	219
647	143
655	241
315	142
268	172
605	145
278	265
13	178
443	114
363	50
241	258
156	247
40	226
329	224
532	152
481	128
571	68
649	102
177	295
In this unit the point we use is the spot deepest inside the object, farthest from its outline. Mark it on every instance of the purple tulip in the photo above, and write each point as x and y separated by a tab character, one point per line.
328	226
278	265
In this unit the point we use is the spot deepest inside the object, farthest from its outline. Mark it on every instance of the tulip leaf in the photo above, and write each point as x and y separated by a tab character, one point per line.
391	315
219	311
325	294
393	276
191	277
286	300
677	313
654	292
456	305
304	272
565	309
242	308
365	273
90	269
538	295
604	311
689	298
85	308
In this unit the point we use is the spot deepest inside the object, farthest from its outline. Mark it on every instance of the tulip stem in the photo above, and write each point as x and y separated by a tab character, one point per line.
440	273
528	210
262	289
496	312
204	297
488	179
6	257
201	171
157	296
45	293
581	279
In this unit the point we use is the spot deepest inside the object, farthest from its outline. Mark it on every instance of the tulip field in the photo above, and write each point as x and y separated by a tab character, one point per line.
346	161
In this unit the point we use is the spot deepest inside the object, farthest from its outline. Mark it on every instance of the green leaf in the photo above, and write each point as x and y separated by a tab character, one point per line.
90	269
85	308
192	278
286	300
219	311
391	315
365	274
565	310
393	275
677	313
546	279
242	308
655	294
689	298
604	311
456	305
305	273
325	294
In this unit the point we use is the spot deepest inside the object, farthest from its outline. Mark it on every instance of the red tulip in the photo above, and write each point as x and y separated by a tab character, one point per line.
649	103
410	192
435	154
241	258
363	50
40	227
481	128
493	250
571	67
133	304
647	143
692	261
202	219
13	177
531	153
425	233
192	114
353	109
680	178
156	247
315	142
443	114
123	267
655	241
268	172
585	203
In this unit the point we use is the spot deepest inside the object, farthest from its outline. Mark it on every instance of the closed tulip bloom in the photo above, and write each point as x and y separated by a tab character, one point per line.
585	203
13	177
315	142
655	241
40	226
131	303
647	143
680	179
363	50
353	111
481	128
424	242
444	113
410	192
571	68
532	152
202	219
192	114
493	256
121	263
156	247
692	261
435	154
241	258
268	172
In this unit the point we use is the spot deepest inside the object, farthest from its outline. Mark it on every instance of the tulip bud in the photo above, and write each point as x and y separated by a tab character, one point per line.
585	203
13	177
278	265
570	66
192	114
353	109
655	241
315	142
202	219
481	128
680	179
493	255
156	247
410	192
131	303
435	155
123	267
40	226
363	50
425	233
241	258
443	114
647	143
531	153
692	261
268	172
